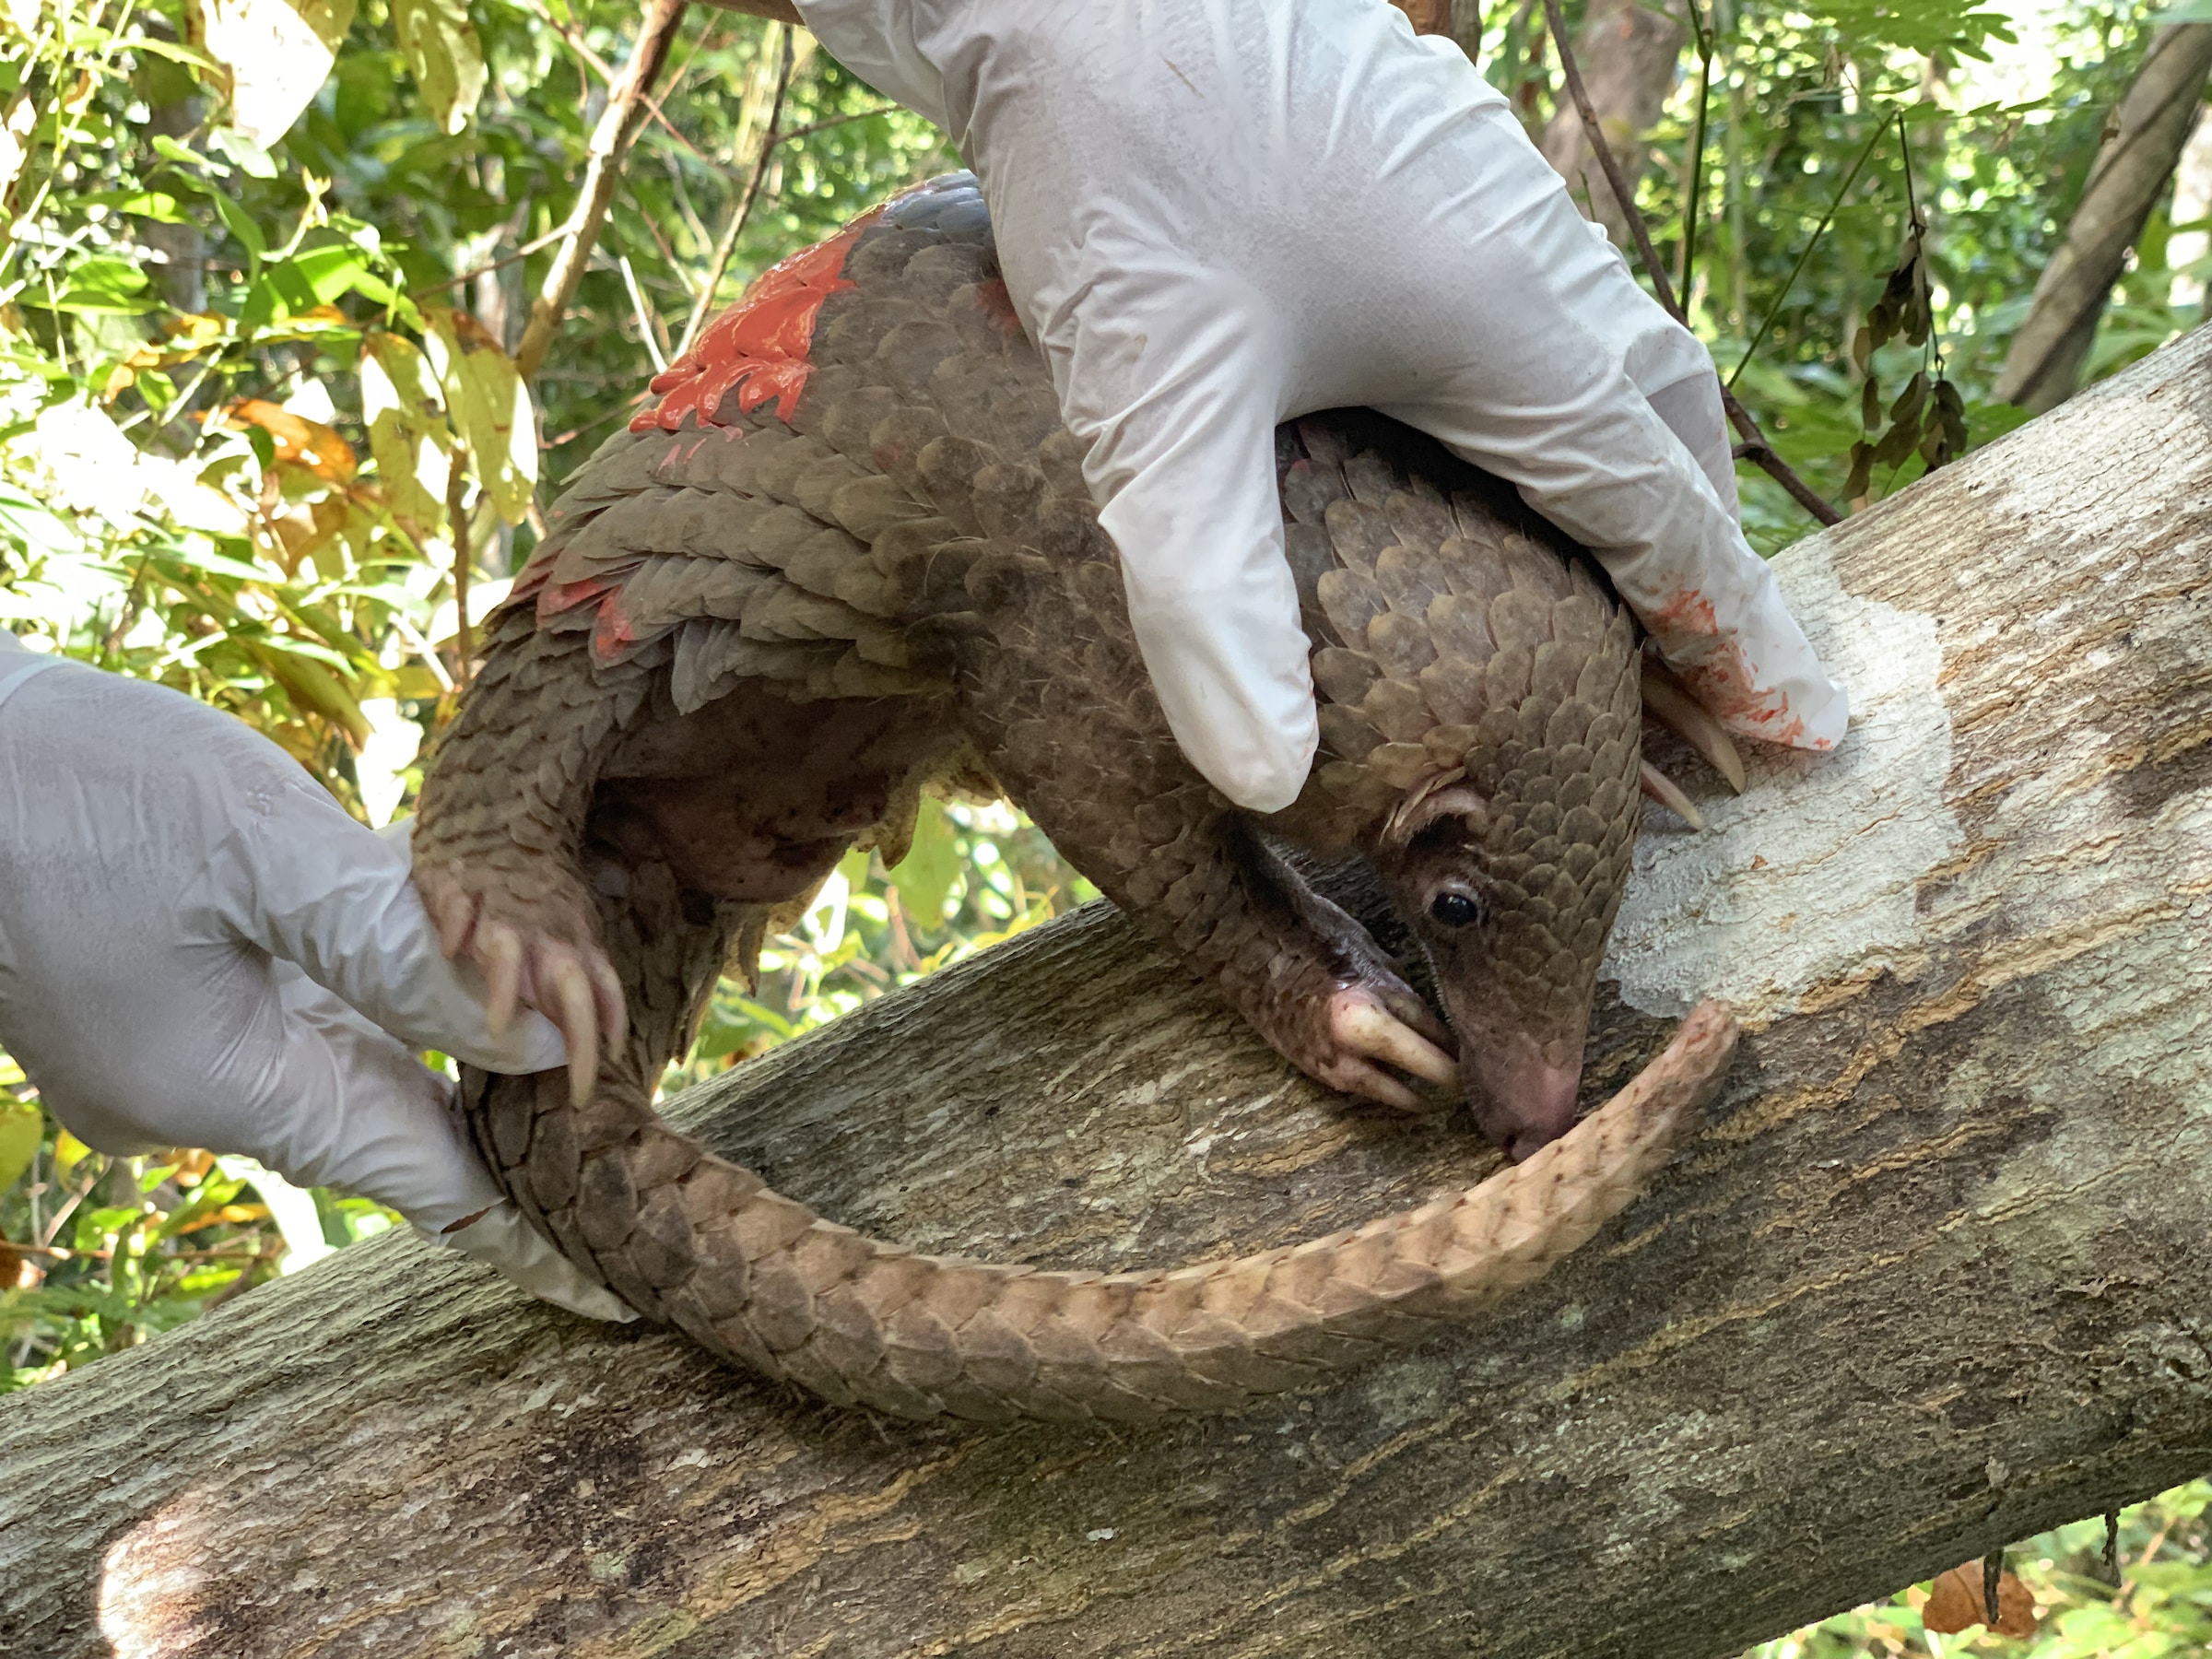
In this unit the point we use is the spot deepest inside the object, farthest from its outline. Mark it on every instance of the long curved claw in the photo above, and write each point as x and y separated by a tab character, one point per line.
1372	1082
1409	1008
453	911
606	996
1663	789
1362	1026
578	1020
1666	701
499	952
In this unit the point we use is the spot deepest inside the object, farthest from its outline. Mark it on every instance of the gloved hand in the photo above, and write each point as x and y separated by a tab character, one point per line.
1215	214
199	947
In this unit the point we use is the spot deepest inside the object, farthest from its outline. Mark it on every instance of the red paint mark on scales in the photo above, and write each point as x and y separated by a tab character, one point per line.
758	347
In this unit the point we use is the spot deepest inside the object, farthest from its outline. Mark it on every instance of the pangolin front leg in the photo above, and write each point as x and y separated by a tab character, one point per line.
1099	773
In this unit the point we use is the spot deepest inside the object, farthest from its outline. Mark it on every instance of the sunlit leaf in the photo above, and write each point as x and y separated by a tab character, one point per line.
444	54
298	439
274	55
407	431
21	1125
68	1152
924	878
491	409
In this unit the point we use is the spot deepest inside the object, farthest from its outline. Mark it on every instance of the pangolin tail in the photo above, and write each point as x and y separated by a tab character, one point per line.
759	1279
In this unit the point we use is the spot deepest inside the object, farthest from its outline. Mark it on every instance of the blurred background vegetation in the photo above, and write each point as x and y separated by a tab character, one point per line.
307	306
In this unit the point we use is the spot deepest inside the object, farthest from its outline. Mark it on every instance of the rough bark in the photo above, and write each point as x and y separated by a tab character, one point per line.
1933	1278
2043	364
1628	50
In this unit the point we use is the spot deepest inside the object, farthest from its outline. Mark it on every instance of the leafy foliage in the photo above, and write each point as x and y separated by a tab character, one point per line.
2162	1605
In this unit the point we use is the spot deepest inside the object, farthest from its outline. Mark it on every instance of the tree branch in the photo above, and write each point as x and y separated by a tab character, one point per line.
1755	447
776	11
2044	361
703	306
618	130
1931	1281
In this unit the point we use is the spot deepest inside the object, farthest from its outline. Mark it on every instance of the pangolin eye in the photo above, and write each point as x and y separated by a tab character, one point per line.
1455	910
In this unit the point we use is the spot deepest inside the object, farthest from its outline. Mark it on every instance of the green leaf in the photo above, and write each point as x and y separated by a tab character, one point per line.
924	878
170	149
110	287
241	226
444	54
21	1126
329	272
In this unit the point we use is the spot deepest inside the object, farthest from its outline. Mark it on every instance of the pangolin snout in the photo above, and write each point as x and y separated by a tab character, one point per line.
1522	1097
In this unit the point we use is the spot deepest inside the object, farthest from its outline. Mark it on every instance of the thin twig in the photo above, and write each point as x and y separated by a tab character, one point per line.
610	143
816	127
1920	231
647	322
457	518
776	11
1693	188
529	248
1755	447
704	304
1819	230
605	70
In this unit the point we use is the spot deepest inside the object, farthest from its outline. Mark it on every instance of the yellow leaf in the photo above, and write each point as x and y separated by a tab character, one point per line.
275	53
444	56
491	408
21	1124
407	429
68	1152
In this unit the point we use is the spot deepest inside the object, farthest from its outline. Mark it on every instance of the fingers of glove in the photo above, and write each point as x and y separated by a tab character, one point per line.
1213	602
1692	411
358	1111
1549	397
312	886
502	1239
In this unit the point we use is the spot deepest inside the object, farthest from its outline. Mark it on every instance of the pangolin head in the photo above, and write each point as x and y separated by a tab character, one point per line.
1508	868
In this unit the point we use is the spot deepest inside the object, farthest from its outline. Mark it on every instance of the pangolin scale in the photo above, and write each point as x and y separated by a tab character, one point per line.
849	555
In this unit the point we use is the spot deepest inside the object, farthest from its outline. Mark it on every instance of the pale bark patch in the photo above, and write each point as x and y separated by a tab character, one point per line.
1815	870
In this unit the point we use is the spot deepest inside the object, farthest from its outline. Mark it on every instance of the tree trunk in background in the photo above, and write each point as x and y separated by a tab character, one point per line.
1428	16
1933	1279
2192	205
1628	50
2044	362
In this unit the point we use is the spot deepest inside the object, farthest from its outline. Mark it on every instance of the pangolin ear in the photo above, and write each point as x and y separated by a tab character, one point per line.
1428	803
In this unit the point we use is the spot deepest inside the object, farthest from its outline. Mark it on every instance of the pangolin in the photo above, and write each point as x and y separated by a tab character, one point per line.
849	555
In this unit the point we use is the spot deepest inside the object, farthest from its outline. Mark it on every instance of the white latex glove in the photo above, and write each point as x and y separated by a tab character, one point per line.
199	947
1214	215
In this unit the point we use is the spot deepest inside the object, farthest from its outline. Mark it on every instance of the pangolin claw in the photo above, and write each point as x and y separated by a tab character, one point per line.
1666	700
579	1021
1668	794
499	952
1366	1031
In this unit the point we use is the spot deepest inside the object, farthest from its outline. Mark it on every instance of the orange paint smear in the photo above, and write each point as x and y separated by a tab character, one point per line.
760	346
